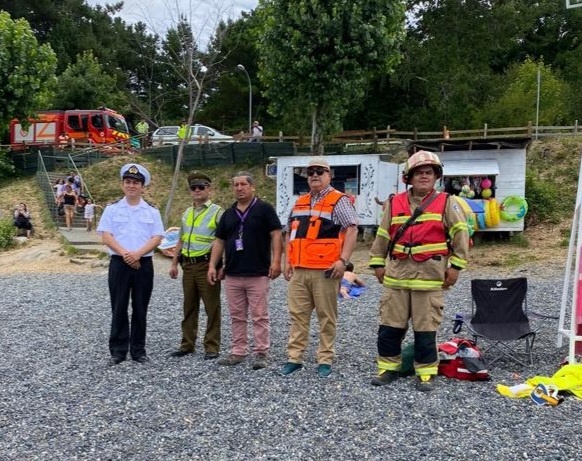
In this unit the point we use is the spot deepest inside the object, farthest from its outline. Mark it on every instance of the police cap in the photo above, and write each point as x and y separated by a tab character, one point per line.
197	178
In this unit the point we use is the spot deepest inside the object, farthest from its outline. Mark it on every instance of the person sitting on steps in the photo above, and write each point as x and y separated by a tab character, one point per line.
22	219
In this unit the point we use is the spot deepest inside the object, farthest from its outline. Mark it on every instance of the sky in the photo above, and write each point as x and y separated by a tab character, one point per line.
159	15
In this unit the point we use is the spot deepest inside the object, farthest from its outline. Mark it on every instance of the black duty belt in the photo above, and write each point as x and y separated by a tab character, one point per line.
197	259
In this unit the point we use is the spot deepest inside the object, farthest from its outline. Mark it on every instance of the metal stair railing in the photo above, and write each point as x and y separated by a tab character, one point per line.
44	180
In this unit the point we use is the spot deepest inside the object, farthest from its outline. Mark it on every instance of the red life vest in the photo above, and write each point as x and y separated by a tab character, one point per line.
315	241
427	236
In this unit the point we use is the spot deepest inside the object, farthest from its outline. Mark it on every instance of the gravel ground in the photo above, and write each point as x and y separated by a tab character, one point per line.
60	401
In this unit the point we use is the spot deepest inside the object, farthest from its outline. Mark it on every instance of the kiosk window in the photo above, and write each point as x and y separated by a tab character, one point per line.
346	178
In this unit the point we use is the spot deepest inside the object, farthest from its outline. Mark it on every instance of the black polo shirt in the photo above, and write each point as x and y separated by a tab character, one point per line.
255	257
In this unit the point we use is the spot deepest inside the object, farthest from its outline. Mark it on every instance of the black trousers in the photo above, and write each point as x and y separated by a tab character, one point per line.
123	283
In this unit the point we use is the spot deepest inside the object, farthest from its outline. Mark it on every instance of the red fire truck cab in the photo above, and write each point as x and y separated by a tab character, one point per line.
100	126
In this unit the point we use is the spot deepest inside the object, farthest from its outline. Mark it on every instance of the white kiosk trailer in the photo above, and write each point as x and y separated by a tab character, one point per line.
472	163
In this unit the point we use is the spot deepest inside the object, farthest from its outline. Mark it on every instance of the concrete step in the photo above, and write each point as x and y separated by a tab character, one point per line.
82	240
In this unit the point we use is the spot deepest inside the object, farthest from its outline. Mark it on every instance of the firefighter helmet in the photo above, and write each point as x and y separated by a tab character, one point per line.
422	158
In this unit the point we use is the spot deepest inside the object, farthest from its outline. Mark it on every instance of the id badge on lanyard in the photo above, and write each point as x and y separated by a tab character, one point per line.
238	243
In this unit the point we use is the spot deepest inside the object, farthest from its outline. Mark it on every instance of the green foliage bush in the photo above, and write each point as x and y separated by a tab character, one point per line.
6	233
6	165
545	201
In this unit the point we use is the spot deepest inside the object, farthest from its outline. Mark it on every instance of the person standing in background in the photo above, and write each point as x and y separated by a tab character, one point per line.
321	237
249	236
256	132
143	128
192	252
416	256
131	229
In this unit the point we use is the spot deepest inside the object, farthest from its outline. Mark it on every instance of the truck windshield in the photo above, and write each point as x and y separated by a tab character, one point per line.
117	123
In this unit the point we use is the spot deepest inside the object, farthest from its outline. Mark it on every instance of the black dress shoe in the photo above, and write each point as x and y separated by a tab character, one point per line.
180	353
115	361
141	359
211	355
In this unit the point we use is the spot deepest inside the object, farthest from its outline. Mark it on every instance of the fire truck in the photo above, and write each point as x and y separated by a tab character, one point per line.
99	126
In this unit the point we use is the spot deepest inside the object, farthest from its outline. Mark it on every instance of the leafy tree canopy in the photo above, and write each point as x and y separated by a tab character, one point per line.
518	103
28	70
85	85
321	54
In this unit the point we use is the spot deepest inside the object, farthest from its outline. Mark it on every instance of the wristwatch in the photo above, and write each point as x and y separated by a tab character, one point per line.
345	262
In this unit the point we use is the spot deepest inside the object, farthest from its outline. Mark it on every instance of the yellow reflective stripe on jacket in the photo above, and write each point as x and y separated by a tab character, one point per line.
458	227
412	284
383	233
456	261
422	218
429	217
388	366
418	249
377	261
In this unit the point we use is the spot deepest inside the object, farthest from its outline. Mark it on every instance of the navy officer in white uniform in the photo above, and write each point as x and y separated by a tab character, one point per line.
131	228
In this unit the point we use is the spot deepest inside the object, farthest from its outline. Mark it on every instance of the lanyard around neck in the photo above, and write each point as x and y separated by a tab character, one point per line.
243	216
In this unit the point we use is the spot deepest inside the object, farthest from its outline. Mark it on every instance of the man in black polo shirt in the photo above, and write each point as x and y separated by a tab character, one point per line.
249	235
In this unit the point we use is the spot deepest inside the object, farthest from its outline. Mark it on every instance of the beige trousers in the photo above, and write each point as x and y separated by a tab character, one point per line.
309	290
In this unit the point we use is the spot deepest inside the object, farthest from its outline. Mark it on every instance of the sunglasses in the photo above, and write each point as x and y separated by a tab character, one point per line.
319	171
197	187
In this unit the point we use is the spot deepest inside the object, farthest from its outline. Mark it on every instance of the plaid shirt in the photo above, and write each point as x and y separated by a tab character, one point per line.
344	213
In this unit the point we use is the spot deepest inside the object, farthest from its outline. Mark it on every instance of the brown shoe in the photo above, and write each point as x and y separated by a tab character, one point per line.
260	362
231	359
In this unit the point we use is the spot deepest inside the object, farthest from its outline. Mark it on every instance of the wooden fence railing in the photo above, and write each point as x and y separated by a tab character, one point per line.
349	141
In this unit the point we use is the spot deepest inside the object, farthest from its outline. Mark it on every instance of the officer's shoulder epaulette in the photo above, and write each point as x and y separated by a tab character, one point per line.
114	202
150	204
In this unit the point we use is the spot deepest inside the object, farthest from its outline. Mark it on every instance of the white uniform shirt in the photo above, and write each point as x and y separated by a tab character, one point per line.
131	226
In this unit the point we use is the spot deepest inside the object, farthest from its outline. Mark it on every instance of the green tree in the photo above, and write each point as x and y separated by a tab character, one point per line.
517	104
27	76
321	55
85	85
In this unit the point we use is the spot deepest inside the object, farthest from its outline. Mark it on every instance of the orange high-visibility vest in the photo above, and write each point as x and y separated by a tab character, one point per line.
427	237
315	242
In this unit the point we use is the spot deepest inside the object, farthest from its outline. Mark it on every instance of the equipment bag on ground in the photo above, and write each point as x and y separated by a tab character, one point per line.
460	358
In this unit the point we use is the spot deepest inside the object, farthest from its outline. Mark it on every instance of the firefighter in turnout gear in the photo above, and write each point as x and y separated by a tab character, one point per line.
416	256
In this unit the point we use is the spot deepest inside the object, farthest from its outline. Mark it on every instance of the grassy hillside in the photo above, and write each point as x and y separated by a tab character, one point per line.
105	184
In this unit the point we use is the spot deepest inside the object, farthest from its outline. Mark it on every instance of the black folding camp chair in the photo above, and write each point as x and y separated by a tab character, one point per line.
499	315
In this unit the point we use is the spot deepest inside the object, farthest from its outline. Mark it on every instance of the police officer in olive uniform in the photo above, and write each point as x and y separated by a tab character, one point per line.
131	229
192	251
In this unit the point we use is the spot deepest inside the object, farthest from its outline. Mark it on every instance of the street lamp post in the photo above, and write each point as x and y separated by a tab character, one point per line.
241	67
538	102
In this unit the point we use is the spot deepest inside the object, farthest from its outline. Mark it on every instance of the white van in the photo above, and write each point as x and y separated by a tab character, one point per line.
168	135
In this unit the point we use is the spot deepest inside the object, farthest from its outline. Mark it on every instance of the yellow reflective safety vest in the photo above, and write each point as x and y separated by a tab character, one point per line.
198	231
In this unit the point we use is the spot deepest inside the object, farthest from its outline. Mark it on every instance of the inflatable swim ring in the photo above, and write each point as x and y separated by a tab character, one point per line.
513	208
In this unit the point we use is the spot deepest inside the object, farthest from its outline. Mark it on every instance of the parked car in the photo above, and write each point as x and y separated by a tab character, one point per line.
168	135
